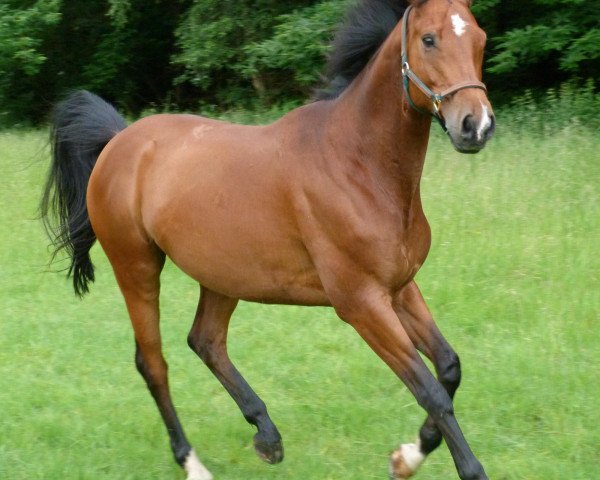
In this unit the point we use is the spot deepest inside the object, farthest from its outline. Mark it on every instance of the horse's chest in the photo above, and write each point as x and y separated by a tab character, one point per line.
412	247
414	250
395	247
355	239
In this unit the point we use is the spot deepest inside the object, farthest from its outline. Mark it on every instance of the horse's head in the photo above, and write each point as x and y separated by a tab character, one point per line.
442	60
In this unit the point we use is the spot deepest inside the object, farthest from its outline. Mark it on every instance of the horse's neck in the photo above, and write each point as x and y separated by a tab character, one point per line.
390	135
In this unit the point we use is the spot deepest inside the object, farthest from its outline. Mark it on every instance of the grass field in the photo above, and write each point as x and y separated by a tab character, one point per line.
513	278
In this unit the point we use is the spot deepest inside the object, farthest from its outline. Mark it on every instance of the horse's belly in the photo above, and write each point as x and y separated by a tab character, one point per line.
283	276
240	250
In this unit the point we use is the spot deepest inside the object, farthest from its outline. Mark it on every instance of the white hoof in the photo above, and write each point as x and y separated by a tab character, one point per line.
194	468
405	461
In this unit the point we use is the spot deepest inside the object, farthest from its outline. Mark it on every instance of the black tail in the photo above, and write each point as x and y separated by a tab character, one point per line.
82	125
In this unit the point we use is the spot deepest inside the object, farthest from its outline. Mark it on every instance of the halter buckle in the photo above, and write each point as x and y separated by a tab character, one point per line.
405	69
436	100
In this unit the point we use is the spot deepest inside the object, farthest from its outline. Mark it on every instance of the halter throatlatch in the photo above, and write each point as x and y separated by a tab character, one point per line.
409	75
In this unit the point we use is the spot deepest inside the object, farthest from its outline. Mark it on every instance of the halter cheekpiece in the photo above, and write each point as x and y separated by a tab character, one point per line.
436	98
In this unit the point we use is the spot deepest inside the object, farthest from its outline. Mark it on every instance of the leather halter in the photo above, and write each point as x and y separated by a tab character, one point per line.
436	98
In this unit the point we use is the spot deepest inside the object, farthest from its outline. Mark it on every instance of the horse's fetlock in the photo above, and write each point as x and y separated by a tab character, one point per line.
257	414
180	452
473	471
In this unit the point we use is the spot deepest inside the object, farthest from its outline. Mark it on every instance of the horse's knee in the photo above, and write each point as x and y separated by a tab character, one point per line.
449	372
434	398
438	403
472	471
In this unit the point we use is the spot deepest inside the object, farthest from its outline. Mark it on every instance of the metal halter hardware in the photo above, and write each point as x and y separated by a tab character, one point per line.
436	98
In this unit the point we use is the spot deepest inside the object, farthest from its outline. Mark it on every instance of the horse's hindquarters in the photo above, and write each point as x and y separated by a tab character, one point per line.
218	208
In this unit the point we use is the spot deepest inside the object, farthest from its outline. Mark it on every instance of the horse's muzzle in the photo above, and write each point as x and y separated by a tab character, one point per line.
473	133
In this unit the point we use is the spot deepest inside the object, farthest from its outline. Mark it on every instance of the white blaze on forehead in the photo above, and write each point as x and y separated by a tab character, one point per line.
458	24
486	121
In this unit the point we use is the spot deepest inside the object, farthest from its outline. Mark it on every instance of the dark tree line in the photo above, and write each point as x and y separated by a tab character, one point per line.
188	54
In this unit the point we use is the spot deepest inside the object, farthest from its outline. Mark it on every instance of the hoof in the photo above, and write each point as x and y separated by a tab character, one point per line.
270	452
194	468
405	461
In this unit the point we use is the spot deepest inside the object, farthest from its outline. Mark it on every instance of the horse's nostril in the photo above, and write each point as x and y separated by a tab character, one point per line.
468	127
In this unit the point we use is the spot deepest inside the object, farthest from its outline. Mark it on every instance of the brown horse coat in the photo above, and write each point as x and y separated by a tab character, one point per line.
321	207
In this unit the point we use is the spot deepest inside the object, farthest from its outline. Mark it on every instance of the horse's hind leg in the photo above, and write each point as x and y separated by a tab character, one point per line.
425	335
208	338
137	269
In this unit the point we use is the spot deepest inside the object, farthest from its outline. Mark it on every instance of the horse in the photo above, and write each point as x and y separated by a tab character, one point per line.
321	207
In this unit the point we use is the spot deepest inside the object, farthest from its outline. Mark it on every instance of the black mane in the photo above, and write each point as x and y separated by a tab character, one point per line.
364	30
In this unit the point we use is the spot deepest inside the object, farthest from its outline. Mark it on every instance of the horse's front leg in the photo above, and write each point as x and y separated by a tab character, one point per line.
416	319
372	315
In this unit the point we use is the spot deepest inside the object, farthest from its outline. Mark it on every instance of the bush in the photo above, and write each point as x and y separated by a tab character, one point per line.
212	38
297	49
574	104
21	35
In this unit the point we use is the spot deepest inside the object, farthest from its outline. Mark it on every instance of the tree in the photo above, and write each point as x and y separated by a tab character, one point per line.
186	53
541	43
291	60
212	41
21	35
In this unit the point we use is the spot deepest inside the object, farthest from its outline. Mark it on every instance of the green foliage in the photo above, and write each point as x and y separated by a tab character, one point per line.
550	32
584	48
571	105
481	6
121	49
22	32
540	41
214	37
127	57
298	46
216	55
119	11
205	45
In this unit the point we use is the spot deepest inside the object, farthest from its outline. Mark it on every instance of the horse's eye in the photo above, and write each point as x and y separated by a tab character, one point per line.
428	41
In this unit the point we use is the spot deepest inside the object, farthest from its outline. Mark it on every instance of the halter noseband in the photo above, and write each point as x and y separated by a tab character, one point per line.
436	98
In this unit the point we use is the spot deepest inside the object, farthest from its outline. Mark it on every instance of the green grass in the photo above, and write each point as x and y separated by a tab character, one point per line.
512	277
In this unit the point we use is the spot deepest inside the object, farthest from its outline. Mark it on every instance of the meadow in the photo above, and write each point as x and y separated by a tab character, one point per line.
513	279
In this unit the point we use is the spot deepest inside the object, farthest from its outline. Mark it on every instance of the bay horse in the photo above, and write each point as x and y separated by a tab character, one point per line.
321	207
